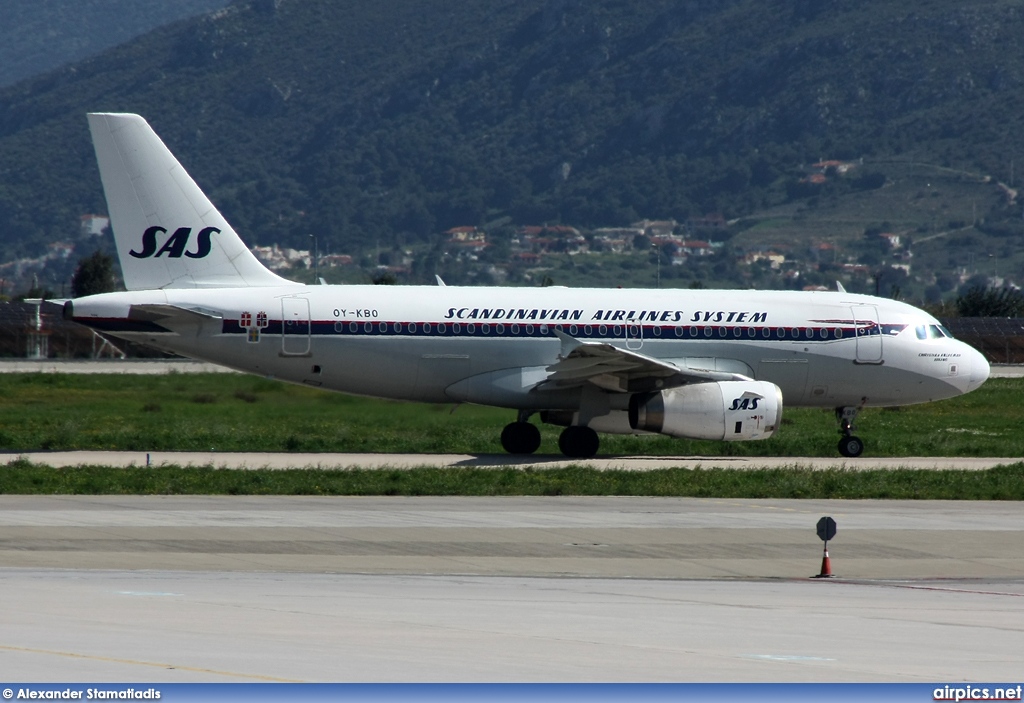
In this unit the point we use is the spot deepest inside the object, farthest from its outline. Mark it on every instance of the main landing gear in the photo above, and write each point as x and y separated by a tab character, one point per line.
578	442
522	437
849	445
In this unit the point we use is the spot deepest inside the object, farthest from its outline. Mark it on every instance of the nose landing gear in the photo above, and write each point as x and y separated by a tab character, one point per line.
849	445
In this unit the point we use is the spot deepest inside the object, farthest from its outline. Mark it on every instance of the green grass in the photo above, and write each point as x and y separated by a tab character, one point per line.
228	412
243	413
1001	483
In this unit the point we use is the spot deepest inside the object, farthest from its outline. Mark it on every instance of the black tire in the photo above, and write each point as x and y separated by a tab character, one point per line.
851	446
578	442
520	438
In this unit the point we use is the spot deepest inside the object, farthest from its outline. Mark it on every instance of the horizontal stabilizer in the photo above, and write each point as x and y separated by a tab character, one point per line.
172	317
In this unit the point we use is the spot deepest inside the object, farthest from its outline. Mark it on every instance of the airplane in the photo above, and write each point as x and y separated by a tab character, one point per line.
698	364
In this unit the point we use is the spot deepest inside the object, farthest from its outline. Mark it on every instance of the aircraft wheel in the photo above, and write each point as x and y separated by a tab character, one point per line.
851	446
520	438
578	442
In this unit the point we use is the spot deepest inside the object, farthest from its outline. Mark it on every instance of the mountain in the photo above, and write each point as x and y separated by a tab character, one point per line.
384	123
39	35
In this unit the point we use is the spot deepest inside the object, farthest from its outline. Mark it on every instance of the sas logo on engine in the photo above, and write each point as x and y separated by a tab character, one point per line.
176	244
745	403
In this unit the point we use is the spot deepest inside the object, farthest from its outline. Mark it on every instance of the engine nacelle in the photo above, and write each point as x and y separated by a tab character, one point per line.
728	410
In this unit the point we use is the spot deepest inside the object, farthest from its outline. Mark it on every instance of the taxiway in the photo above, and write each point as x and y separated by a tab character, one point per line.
154	588
292	460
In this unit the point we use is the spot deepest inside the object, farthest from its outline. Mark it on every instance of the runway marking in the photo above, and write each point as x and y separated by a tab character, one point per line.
957	590
148	593
135	662
916	587
788	658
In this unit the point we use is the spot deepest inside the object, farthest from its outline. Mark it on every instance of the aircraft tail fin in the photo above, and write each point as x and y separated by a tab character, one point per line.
168	233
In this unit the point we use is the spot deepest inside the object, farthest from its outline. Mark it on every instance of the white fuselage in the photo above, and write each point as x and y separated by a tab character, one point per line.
706	364
493	345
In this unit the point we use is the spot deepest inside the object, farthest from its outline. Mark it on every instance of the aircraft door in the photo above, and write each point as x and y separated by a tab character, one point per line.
634	335
295	327
869	334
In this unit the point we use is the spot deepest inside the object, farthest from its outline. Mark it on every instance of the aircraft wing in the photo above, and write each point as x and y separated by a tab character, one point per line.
621	370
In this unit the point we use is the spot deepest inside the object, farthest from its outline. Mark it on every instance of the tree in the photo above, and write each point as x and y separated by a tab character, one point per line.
383	277
991	302
95	274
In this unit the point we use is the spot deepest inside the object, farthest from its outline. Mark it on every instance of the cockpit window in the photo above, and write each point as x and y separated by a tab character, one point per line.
931	332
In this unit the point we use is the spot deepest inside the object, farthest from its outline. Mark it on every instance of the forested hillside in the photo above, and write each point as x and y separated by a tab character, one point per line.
40	35
380	122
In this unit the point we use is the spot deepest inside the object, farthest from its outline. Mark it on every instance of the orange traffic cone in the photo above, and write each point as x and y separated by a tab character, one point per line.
826	567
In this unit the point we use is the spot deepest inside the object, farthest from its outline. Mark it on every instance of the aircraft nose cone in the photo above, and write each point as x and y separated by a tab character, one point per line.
979	370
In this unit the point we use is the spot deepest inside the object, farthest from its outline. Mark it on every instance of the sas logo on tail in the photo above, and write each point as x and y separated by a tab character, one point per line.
176	244
745	404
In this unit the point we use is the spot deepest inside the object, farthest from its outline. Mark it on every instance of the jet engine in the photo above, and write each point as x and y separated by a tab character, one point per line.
727	410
